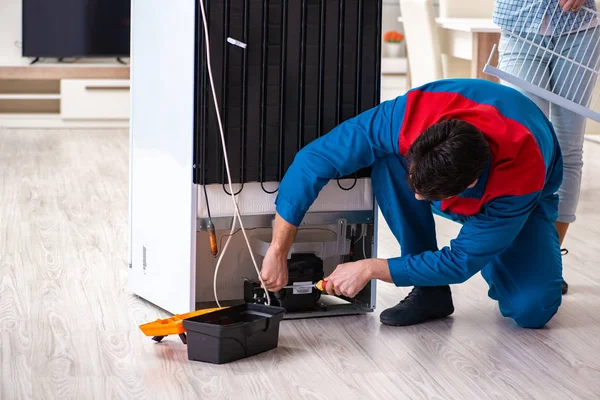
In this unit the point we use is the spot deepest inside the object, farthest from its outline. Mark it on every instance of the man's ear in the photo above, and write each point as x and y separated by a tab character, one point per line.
473	184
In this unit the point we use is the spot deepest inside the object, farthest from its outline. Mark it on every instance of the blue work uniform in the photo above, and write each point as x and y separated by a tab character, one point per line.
507	218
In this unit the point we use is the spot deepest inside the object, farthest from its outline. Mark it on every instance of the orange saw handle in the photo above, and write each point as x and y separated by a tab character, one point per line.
172	325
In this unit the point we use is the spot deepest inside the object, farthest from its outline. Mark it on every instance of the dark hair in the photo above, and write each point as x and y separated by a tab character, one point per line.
446	159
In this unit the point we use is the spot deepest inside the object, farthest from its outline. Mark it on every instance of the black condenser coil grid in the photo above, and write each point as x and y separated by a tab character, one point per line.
308	65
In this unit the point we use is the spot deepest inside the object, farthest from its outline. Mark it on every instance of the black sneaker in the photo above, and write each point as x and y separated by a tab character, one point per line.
565	285
422	304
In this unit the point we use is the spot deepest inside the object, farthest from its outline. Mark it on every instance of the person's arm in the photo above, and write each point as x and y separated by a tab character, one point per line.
283	235
274	270
354	144
482	238
379	269
351	146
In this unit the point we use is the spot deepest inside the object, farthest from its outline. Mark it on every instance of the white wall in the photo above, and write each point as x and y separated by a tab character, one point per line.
10	39
466	8
389	20
391	12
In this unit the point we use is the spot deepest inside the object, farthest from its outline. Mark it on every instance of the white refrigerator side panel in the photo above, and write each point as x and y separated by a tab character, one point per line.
163	196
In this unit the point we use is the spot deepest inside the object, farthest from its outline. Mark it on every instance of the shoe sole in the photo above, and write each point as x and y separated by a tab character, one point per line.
428	319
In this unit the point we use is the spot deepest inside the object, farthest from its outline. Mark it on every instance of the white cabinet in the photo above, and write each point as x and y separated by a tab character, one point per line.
56	96
94	99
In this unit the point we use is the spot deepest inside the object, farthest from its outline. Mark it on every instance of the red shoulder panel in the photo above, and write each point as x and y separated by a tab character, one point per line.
517	166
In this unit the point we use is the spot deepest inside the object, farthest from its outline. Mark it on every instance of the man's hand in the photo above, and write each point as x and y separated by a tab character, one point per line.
274	270
571	5
350	278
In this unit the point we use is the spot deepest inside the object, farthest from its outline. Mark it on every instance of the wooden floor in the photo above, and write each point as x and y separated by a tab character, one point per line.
69	327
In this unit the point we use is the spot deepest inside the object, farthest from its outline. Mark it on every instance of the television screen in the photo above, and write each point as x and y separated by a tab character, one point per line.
76	28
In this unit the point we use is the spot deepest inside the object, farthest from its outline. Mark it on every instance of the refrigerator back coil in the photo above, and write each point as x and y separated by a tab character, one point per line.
286	72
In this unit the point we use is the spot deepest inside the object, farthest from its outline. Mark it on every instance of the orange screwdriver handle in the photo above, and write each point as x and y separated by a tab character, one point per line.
321	285
213	241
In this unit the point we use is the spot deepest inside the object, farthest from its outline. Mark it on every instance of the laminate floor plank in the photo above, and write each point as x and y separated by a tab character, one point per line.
69	326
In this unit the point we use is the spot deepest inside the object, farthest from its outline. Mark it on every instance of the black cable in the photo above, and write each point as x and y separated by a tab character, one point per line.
282	81
350	188
203	128
262	186
263	95
236	193
359	41
224	89
321	68
203	110
377	54
244	97
340	64
207	206
301	90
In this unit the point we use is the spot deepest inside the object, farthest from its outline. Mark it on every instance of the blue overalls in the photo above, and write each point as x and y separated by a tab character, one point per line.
507	218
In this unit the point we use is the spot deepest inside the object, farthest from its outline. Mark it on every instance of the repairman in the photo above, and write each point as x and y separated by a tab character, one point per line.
470	150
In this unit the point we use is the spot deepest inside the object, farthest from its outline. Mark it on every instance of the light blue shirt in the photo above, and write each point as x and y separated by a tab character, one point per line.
523	16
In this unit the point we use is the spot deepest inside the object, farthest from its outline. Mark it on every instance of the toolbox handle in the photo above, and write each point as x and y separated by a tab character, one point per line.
256	326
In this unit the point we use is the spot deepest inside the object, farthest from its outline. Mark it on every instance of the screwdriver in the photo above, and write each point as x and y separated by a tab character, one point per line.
321	285
212	238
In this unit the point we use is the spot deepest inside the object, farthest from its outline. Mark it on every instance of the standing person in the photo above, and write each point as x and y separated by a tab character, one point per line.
470	150
564	27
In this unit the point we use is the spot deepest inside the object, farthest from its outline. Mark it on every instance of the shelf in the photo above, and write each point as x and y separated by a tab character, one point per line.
29	96
57	72
21	106
470	25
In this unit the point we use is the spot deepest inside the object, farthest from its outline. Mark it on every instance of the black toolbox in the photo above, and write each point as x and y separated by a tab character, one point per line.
233	333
